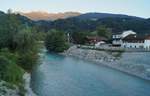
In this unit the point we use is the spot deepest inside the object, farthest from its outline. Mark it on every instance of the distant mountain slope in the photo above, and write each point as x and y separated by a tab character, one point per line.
2	13
89	22
24	20
49	16
96	16
117	24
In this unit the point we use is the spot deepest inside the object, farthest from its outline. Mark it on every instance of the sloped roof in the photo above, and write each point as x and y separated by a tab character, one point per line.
126	33
134	37
147	37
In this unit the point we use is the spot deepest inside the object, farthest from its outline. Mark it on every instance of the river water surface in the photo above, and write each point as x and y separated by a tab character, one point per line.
66	76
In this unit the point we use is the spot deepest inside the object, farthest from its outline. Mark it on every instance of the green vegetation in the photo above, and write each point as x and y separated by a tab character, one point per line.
56	41
9	70
104	32
26	47
141	26
18	49
79	37
9	26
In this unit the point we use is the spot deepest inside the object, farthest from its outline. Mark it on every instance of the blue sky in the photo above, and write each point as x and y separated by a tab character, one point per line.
139	8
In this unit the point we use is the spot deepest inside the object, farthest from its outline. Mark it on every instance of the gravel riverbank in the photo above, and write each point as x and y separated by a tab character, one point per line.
110	59
7	89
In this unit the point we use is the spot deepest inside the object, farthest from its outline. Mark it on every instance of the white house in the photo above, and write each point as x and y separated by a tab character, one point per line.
117	38
147	43
134	41
129	39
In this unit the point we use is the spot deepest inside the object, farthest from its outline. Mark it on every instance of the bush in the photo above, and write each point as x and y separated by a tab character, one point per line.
79	37
27	48
27	60
9	70
56	41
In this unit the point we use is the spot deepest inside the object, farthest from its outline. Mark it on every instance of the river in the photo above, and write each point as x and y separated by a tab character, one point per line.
66	76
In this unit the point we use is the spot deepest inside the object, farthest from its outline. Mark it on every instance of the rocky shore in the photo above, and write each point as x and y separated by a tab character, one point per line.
27	80
7	89
110	59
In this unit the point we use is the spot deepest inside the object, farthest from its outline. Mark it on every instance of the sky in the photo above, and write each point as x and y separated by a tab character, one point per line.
139	8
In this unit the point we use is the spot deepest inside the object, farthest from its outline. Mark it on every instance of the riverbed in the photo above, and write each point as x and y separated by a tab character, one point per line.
67	76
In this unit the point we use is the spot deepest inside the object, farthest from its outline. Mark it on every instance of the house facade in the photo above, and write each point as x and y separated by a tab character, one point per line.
147	43
134	41
117	38
129	39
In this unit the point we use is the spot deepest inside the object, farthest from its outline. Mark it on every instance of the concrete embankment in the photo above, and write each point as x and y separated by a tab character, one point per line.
110	59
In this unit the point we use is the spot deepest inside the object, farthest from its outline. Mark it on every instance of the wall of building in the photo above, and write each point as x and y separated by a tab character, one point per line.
117	42
147	44
116	36
132	45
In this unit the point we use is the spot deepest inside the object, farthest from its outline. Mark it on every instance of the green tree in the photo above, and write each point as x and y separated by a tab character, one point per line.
26	47
79	37
104	32
56	41
9	26
9	70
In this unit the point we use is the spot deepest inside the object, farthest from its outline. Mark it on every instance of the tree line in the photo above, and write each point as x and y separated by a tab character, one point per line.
18	48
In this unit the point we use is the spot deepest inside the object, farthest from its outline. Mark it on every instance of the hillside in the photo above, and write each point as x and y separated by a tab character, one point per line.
1	13
117	24
90	21
96	16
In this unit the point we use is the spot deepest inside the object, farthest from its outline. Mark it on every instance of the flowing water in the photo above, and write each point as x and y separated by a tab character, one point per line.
66	76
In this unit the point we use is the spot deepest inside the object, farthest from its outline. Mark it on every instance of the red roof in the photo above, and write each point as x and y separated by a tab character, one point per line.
95	39
134	38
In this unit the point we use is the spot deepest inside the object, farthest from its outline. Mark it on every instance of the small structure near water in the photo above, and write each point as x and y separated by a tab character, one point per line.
96	39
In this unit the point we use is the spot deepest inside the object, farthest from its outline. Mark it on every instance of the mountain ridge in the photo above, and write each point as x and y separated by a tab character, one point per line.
39	15
80	24
96	15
